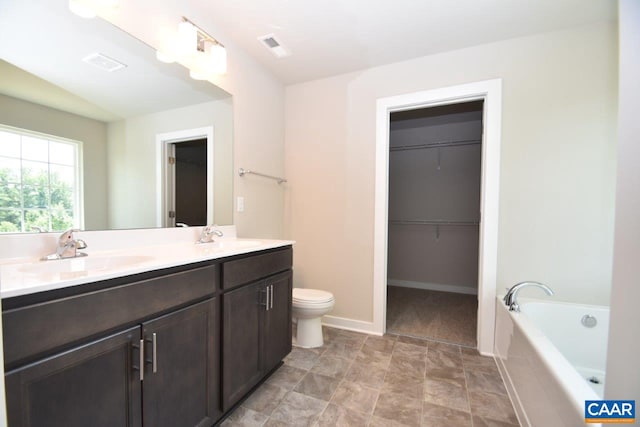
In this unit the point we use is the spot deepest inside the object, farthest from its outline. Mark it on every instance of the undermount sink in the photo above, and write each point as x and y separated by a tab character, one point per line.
83	264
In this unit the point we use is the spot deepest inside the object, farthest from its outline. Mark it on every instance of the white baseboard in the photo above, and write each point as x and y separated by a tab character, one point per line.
433	286
349	324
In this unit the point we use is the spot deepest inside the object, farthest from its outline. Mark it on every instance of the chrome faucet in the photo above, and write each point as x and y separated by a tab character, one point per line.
510	298
67	247
206	236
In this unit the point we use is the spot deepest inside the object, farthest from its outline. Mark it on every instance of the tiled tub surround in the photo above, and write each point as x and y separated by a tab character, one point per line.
363	380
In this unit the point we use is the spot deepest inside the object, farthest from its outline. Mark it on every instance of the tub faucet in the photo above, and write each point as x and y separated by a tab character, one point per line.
206	236
510	298
67	247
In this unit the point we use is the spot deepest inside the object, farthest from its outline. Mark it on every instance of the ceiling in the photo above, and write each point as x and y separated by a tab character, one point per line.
326	38
331	37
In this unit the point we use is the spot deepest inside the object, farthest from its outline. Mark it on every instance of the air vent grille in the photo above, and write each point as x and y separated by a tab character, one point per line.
274	46
103	62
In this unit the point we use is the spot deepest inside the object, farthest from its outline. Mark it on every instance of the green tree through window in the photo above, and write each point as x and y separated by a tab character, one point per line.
39	182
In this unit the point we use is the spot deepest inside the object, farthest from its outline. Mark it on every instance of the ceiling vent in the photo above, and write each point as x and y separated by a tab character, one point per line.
274	46
103	62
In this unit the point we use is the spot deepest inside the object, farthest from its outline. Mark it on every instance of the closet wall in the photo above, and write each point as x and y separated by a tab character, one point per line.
434	197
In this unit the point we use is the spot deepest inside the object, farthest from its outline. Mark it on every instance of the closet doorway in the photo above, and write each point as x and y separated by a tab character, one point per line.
435	159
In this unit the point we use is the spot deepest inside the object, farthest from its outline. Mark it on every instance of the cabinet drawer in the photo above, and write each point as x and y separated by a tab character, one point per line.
245	270
36	329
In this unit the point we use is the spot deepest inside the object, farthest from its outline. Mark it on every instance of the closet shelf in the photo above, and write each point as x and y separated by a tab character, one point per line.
431	222
437	144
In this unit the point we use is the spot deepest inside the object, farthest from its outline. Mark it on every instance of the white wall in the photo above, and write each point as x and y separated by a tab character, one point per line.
557	163
623	375
132	161
93	134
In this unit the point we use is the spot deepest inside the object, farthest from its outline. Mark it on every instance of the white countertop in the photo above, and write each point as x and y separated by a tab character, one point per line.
30	275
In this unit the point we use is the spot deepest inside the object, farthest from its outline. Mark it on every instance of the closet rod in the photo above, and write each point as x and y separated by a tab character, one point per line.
243	172
436	145
431	222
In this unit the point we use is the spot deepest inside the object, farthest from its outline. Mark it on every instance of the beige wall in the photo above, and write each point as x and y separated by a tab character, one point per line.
557	166
92	133
132	161
623	375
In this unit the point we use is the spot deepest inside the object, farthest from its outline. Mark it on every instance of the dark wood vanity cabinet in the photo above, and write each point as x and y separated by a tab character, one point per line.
93	384
159	368
75	358
256	322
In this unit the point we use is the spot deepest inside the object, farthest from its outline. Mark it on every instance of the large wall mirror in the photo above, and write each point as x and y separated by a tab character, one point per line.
89	143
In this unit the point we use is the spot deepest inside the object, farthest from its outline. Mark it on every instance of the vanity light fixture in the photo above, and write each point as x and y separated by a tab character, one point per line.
204	55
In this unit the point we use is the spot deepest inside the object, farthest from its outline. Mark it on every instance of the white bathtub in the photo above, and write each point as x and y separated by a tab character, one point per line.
546	356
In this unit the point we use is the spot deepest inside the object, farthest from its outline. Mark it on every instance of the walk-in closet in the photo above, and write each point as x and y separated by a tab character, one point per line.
435	159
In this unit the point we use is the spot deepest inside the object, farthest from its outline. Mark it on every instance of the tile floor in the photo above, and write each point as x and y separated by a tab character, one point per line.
362	380
443	316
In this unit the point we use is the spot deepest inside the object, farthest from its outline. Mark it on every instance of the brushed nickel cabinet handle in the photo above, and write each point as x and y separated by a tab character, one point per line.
271	296
142	360
268	298
155	353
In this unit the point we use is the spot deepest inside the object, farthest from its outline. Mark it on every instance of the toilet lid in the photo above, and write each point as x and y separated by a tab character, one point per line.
311	295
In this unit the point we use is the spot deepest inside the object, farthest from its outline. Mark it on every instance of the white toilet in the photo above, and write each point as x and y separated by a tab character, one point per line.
309	305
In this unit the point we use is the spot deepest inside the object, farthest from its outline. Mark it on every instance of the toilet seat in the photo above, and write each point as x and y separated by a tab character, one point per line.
303	296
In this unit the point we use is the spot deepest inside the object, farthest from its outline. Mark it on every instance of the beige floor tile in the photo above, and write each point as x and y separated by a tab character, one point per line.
369	375
303	358
397	407
487	422
298	409
403	384
286	377
318	386
483	381
443	359
492	406
355	396
441	416
446	392
243	417
332	366
406	365
338	416
266	398
442	316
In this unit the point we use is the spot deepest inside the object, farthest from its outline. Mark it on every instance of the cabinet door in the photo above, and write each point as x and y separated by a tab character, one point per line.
96	385
181	383
241	341
277	339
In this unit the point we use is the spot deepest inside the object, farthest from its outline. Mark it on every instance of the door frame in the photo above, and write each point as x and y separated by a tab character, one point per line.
163	140
490	91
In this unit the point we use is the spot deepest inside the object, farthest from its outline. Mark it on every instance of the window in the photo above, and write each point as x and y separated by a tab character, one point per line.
40	182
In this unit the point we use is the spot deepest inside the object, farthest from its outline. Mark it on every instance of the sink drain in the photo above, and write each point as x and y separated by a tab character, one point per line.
593	380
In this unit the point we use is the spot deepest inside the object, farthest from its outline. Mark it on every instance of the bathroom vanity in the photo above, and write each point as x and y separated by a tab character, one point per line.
171	343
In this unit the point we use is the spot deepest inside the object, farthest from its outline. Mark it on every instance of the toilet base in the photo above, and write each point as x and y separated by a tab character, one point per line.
309	334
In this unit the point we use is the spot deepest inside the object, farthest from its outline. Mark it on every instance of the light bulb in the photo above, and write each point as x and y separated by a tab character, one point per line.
187	40
218	56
